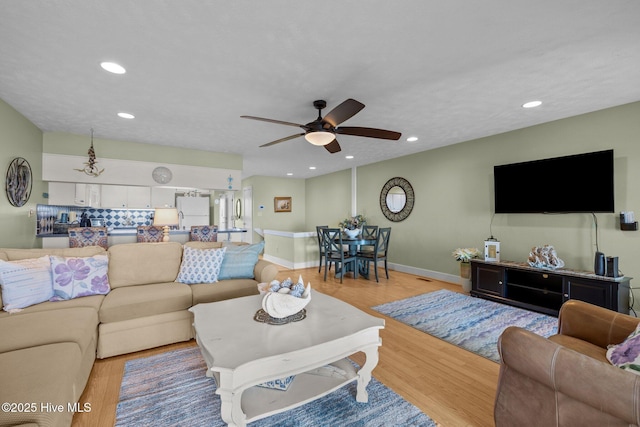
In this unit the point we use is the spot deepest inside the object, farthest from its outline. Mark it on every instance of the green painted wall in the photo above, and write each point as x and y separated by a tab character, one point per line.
20	138
77	145
328	199
454	195
264	191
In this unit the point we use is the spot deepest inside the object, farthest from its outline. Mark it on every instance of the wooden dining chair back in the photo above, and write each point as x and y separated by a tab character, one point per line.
369	232
149	233
379	252
334	252
80	237
320	244
203	233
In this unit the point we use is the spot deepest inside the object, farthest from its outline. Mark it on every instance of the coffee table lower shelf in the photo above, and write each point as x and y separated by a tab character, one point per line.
260	402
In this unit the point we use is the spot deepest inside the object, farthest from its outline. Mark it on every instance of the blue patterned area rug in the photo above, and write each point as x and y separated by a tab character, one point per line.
468	322
171	389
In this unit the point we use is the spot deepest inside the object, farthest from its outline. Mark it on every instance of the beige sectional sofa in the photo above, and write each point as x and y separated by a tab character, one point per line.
47	350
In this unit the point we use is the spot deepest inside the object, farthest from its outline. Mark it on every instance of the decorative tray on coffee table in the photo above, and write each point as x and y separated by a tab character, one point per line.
264	317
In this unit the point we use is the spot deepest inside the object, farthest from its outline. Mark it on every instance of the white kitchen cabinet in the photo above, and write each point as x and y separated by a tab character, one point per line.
162	197
87	195
139	197
74	194
62	193
124	196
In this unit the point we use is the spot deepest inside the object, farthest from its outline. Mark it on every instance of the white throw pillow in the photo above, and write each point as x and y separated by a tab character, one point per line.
25	282
200	265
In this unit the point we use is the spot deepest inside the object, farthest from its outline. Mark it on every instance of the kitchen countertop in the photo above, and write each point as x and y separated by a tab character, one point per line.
126	231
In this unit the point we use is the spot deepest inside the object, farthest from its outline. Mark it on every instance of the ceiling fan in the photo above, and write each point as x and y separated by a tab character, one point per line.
323	131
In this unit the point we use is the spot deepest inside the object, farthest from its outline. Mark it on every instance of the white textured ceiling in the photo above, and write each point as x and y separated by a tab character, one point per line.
445	71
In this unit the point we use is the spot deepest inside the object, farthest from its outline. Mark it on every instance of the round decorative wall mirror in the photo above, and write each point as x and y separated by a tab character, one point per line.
238	209
396	199
18	182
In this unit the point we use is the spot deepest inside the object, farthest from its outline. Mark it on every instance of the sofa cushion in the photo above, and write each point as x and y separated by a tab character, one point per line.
41	374
132	302
75	277
239	261
15	254
76	325
143	263
25	282
200	265
225	289
92	302
203	245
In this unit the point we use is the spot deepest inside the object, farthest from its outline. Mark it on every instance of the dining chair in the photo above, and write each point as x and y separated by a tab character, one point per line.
379	252
203	233
149	233
320	245
334	252
369	232
80	237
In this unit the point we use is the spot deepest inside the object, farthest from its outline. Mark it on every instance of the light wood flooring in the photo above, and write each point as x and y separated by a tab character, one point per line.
451	385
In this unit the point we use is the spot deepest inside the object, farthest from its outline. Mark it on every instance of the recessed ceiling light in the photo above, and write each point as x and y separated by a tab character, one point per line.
126	116
532	104
348	157
289	173
112	67
312	167
412	139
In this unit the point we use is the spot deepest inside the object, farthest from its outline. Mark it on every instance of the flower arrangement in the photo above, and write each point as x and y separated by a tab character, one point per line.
353	222
466	254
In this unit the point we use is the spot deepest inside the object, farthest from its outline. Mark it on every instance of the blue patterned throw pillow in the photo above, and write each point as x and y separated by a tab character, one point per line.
200	265
239	261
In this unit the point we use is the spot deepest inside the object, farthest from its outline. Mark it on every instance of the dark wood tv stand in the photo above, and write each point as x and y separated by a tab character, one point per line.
542	290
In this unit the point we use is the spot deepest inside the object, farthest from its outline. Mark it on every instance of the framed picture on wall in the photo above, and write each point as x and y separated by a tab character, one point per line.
282	204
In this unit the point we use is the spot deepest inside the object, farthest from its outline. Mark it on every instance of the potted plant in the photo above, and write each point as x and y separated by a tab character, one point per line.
465	255
352	226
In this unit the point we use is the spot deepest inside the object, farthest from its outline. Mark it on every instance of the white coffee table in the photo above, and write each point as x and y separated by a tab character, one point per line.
241	353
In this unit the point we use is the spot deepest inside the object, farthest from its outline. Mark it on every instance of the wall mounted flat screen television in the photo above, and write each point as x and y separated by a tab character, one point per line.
569	184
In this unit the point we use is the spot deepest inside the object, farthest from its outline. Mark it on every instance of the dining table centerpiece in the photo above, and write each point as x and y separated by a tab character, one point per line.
352	226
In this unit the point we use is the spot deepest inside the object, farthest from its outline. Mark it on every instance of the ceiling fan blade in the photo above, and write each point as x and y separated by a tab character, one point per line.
279	122
344	111
369	132
333	146
286	138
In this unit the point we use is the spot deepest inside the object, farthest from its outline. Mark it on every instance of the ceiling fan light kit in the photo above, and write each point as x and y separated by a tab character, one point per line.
319	138
323	131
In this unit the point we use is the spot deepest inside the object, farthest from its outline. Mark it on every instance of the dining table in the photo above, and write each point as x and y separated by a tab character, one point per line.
353	244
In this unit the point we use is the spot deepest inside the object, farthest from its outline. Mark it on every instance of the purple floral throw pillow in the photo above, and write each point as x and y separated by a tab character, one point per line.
626	355
79	277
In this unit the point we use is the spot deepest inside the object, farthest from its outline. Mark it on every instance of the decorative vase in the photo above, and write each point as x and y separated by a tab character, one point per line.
465	270
352	233
465	276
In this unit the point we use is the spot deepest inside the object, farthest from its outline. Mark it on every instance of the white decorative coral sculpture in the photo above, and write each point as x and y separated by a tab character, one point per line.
284	303
544	257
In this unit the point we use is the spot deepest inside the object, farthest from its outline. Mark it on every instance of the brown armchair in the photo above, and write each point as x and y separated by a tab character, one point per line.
566	380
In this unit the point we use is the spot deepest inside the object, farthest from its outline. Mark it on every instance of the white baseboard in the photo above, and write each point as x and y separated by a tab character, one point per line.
289	264
445	277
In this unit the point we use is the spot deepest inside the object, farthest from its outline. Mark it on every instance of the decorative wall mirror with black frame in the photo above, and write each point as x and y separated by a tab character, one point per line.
397	199
18	182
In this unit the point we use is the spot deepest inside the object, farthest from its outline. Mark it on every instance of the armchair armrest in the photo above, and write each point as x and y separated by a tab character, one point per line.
596	325
265	271
544	383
